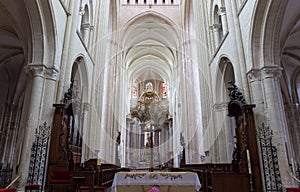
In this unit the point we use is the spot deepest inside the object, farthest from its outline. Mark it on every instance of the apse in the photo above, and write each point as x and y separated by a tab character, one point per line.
150	59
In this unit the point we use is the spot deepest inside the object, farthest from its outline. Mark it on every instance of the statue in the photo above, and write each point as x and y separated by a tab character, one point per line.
149	87
149	142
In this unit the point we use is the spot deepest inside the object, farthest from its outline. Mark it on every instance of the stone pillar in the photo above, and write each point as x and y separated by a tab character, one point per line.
275	117
216	33
85	132
85	28
239	46
81	13
64	77
222	13
255	81
36	78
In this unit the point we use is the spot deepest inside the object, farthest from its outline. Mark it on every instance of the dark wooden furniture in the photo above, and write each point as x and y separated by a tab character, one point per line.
32	187
97	178
243	173
8	190
292	189
61	179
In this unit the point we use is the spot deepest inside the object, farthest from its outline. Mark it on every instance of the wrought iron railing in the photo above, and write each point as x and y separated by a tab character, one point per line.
38	156
270	160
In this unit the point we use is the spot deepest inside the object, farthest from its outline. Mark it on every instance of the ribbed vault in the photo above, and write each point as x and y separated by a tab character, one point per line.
150	43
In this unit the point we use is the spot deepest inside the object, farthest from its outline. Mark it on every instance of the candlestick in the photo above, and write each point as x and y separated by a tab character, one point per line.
249	161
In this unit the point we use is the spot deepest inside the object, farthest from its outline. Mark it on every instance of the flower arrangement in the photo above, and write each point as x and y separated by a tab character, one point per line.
154	188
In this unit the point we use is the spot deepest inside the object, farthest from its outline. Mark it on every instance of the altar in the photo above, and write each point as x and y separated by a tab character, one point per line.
163	181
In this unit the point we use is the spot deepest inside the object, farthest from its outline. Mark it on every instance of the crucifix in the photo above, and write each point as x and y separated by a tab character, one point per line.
154	128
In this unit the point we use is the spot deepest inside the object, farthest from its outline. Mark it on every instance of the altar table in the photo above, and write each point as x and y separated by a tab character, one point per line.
164	181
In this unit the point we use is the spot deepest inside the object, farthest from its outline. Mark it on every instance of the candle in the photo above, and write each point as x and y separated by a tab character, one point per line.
249	162
98	162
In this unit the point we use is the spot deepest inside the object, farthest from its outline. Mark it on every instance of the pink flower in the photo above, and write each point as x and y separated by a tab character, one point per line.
154	189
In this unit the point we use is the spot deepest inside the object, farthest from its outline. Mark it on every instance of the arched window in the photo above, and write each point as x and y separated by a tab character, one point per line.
164	92
135	91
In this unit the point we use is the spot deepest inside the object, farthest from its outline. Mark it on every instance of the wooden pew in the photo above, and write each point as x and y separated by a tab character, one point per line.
97	175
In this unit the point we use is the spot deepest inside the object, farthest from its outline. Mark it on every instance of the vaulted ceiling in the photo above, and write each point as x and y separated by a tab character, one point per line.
12	57
290	33
290	43
150	49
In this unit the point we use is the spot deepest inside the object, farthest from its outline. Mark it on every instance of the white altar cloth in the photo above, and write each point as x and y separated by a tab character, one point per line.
165	181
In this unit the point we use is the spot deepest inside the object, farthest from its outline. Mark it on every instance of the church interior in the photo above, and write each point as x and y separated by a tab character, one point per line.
150	95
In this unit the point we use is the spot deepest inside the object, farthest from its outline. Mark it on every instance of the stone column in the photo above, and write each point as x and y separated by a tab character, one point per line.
36	74
255	81
239	46
85	32
222	13
68	42
81	13
215	28
85	131
275	117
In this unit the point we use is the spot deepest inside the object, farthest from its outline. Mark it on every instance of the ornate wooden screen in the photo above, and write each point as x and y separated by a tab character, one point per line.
66	140
245	155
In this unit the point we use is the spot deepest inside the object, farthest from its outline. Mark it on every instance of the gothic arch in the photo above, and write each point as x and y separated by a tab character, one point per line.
42	24
275	48
156	17
79	72
265	33
225	74
27	53
223	125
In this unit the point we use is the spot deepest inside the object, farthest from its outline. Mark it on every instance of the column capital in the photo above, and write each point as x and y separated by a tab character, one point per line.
86	106
86	25
51	74
254	75
92	27
35	70
215	27
264	73
222	11
40	70
81	11
271	72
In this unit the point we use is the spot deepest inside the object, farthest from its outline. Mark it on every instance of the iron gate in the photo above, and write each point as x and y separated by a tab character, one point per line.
270	160
38	156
